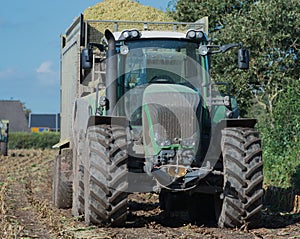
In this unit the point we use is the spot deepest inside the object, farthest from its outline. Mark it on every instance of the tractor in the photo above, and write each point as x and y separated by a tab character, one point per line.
140	113
4	126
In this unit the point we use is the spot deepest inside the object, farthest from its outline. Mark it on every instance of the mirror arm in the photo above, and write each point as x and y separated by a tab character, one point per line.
224	48
216	51
229	46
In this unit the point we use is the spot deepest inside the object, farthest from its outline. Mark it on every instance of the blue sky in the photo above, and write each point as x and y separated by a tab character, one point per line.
29	48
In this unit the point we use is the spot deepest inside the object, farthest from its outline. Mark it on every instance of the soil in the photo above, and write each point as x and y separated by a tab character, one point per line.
26	210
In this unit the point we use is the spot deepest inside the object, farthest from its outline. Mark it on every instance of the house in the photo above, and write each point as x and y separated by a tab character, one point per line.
13	110
44	122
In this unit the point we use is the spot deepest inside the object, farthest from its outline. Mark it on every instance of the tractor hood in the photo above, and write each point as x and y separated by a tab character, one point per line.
170	118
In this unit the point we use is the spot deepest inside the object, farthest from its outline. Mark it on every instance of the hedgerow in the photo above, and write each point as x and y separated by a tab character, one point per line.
22	140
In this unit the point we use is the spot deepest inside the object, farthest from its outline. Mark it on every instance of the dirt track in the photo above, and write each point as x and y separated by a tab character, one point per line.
26	210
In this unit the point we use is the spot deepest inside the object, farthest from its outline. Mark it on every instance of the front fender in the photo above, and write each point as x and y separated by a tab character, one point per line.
108	120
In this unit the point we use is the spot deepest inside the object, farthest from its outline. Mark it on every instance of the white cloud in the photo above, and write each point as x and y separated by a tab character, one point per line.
45	67
46	75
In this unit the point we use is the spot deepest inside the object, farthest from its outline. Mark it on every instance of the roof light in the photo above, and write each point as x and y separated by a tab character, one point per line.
129	34
126	34
134	33
199	35
191	34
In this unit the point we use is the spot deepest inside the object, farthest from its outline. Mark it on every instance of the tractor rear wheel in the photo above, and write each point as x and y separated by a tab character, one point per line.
243	178
105	172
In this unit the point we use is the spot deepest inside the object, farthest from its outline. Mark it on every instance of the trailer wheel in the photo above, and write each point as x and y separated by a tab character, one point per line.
105	175
78	178
243	178
61	187
78	190
3	146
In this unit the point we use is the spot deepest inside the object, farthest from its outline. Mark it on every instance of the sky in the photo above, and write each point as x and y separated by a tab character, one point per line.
30	48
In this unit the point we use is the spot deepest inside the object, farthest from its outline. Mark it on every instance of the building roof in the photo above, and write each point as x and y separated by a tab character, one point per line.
51	121
12	110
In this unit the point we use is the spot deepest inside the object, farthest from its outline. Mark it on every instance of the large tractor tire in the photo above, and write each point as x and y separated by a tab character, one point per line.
243	178
105	175
78	190
3	148
78	179
62	185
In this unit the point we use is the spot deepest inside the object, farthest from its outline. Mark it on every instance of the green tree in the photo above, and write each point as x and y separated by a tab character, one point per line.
282	138
26	111
269	28
216	10
269	90
271	31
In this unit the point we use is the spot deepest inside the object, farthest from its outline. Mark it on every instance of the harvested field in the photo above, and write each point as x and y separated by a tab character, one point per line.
26	210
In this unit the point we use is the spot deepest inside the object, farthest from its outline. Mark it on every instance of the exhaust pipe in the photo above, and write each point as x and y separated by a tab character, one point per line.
111	72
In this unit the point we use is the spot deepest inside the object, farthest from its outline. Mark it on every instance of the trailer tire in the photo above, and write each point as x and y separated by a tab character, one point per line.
3	148
105	175
243	178
78	178
78	190
61	187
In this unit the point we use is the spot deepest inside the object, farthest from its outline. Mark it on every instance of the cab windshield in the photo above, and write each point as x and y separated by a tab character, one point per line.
148	61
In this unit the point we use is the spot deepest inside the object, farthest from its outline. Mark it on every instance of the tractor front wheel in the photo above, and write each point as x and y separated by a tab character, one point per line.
243	178
105	172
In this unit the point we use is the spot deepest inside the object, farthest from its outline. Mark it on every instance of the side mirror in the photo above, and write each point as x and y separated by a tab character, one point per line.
243	58
87	58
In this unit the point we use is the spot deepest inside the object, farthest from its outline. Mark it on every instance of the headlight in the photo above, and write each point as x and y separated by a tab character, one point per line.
203	50
161	141
124	50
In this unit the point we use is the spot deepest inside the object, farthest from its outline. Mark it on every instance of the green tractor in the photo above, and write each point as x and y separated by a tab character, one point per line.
144	116
4	125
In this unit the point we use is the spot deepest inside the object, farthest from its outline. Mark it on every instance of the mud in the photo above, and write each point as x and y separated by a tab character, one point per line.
26	210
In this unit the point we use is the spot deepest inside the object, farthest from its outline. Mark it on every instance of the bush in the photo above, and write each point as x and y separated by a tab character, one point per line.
281	137
23	140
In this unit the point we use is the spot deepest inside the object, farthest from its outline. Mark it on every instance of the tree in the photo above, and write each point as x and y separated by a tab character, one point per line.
26	111
271	31
269	28
216	10
269	90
